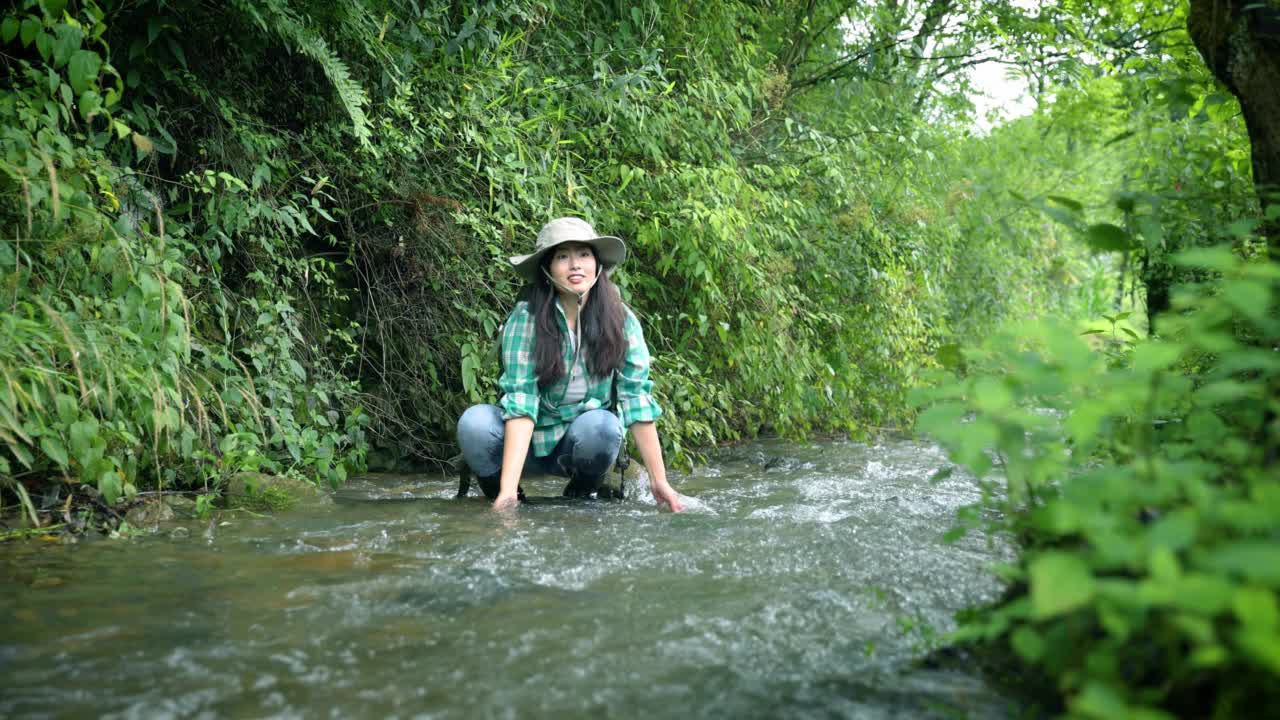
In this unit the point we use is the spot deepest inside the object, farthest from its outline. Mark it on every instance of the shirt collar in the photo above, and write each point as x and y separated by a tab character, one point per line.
564	319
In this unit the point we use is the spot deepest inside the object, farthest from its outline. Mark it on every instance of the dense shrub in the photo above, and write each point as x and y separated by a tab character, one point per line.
1141	479
152	324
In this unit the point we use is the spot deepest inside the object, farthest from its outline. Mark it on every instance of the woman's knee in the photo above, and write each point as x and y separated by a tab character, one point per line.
598	427
598	437
479	420
480	433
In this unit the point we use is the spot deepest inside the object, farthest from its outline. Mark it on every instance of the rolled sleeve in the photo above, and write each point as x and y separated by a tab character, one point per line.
635	389
519	384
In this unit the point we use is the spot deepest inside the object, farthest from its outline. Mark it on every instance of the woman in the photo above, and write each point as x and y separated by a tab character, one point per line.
567	348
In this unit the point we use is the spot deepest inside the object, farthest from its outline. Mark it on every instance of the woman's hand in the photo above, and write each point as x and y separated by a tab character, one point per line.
505	503
665	494
646	437
515	446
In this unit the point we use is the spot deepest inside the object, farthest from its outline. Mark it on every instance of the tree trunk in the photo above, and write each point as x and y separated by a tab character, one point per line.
1157	276
797	46
1118	305
932	22
934	16
1240	42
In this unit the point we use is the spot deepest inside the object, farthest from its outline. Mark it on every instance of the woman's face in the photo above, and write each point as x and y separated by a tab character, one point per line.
573	266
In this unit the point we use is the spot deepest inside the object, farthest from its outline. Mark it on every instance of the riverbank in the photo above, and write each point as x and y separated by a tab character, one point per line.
68	510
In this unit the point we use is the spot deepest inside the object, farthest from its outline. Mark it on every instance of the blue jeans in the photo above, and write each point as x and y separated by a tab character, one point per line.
584	455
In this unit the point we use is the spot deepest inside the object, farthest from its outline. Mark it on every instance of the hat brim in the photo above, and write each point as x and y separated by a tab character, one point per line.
610	252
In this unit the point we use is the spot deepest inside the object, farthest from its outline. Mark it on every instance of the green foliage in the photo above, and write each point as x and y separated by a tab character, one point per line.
277	17
267	236
204	505
784	284
1143	488
125	359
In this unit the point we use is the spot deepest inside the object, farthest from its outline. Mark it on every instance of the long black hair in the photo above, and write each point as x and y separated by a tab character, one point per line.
602	318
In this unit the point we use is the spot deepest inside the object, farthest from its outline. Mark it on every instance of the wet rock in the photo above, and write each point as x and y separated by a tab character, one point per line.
635	479
181	504
149	514
635	472
274	493
246	483
179	533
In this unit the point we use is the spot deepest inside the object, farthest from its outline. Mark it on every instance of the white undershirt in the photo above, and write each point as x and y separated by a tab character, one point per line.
577	388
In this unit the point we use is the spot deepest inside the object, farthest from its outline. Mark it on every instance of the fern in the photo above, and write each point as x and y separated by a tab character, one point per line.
275	16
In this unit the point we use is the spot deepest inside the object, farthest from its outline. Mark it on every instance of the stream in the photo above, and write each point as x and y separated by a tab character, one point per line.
807	580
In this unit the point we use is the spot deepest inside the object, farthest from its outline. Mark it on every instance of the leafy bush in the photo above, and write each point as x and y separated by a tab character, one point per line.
127	356
1142	484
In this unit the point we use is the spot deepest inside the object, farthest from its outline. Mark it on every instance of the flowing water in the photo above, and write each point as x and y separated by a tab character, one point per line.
805	581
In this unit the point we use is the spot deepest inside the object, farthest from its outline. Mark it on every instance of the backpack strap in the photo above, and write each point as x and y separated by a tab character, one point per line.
624	460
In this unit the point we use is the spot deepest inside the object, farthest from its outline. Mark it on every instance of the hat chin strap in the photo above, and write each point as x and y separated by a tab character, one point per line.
579	295
581	298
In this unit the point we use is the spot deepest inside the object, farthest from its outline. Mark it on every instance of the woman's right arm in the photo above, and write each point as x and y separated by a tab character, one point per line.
515	446
519	402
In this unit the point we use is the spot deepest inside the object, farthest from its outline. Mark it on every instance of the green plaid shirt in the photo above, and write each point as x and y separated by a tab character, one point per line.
519	383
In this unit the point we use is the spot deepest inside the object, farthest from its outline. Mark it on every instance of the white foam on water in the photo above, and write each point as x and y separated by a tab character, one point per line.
802	514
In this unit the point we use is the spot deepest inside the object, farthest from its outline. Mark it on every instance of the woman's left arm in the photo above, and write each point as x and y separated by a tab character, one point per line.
646	437
638	411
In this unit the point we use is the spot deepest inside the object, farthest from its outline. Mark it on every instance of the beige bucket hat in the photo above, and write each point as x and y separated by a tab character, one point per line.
610	251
